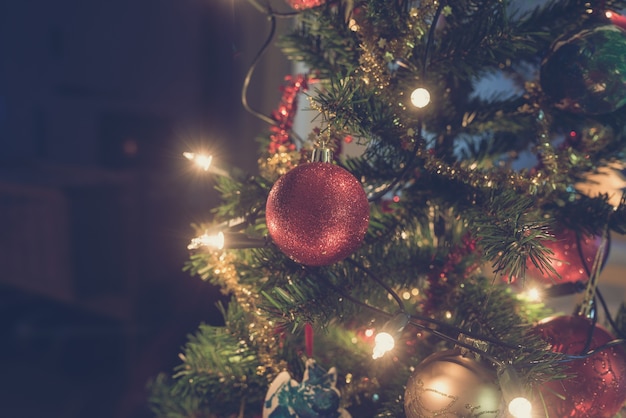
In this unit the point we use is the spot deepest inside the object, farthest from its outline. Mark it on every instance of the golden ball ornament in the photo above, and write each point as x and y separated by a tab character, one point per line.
449	384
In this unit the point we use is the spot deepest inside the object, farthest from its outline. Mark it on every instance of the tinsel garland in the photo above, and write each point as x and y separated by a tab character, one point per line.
282	153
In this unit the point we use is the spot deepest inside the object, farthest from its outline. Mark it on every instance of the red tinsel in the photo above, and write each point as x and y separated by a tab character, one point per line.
446	272
286	112
305	4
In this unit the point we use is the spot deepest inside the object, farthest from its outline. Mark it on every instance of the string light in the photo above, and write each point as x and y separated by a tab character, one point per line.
353	25
385	340
520	408
384	343
203	161
215	241
420	97
230	240
533	294
518	405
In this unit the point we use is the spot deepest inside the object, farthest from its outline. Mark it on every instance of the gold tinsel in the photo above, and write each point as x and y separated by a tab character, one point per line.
261	331
372	71
378	50
275	165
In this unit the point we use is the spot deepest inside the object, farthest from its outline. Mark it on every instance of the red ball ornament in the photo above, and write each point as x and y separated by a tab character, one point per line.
597	386
317	214
304	4
573	258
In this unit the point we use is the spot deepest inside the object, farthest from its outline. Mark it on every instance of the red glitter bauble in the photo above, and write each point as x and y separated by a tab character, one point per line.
568	247
595	386
317	214
304	4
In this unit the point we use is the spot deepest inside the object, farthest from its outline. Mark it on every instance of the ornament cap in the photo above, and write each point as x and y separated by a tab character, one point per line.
322	155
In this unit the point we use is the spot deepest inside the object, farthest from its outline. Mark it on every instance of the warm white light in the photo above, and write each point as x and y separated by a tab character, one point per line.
201	160
369	332
353	25
534	294
608	14
520	408
384	342
206	240
420	97
512	393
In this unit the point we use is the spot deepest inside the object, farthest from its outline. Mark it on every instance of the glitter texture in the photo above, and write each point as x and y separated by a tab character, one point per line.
597	388
317	214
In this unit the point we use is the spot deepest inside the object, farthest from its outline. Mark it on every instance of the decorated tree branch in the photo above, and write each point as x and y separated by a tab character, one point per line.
386	263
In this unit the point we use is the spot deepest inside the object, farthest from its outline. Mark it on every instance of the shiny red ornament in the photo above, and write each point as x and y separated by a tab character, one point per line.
317	214
573	258
596	387
304	4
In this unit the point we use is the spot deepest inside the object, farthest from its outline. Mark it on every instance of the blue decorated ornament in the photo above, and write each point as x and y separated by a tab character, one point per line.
315	397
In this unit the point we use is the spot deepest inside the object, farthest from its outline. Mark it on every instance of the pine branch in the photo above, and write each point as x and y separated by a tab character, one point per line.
457	203
218	373
513	232
324	41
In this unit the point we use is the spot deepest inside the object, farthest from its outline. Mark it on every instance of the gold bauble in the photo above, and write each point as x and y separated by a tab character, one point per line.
448	384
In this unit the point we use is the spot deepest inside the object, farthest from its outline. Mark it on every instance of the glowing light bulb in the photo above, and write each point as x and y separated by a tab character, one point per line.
205	240
420	97
353	25
534	295
520	407
201	160
384	342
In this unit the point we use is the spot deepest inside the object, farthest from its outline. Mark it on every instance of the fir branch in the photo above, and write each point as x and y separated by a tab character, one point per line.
491	309
323	41
589	215
449	199
241	198
511	232
617	220
219	370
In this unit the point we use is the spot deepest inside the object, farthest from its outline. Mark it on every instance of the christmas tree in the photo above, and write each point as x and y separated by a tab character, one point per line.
381	265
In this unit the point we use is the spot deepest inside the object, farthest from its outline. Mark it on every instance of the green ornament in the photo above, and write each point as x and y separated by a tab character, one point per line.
586	73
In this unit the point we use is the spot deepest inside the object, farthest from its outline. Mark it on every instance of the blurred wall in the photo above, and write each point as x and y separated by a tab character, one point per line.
98	100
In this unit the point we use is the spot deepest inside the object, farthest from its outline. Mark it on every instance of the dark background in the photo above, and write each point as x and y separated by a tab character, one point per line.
98	100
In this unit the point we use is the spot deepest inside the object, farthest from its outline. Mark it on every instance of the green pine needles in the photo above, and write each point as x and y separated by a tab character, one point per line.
465	194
